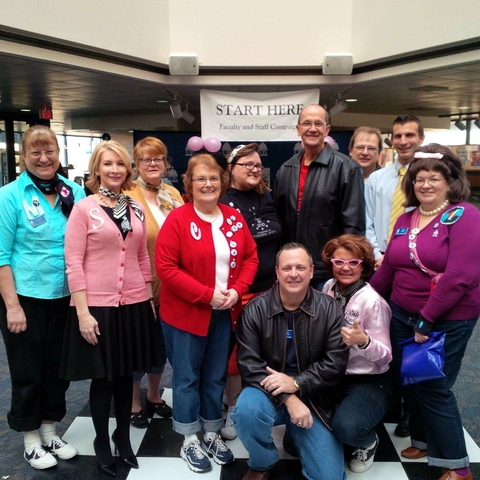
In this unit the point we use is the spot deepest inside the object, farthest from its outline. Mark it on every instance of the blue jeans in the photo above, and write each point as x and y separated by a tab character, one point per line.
321	454
435	422
365	403
199	373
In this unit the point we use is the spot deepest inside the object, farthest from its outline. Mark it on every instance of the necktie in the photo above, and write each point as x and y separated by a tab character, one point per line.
397	203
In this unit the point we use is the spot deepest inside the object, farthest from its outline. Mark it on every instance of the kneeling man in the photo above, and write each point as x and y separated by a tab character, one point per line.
291	358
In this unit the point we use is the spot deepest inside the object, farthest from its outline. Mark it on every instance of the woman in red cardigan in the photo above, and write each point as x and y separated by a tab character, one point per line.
206	259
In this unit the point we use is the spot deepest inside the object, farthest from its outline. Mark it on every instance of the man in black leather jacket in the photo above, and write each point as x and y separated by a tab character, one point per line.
319	193
291	357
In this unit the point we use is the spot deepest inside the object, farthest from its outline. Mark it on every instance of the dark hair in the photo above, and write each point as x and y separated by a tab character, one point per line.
449	166
403	119
209	161
367	131
293	246
356	244
247	150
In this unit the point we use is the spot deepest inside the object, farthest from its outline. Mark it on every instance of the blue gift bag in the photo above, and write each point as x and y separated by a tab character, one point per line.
423	361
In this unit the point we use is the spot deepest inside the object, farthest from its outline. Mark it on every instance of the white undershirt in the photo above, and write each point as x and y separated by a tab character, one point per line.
222	250
157	213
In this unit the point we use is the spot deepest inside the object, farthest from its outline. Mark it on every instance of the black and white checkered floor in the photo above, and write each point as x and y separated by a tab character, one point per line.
158	453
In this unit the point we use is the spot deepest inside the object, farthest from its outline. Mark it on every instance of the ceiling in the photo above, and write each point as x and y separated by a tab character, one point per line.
73	92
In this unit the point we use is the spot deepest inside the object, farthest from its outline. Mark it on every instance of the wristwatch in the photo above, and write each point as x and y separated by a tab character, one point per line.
295	384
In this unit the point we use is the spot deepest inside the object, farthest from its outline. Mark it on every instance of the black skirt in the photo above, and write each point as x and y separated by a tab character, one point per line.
127	343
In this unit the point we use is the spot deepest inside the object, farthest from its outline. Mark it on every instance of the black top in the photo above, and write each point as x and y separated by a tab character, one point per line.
264	225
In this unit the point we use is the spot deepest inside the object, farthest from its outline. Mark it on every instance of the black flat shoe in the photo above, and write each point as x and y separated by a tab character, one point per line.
107	463
139	419
161	409
129	460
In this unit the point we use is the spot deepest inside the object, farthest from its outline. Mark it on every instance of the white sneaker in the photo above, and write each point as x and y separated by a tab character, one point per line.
57	446
363	458
39	458
218	450
228	431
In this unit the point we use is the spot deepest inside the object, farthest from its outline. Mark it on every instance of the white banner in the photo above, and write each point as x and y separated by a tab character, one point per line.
237	116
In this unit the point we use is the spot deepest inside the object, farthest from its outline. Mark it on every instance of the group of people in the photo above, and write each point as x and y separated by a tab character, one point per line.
290	308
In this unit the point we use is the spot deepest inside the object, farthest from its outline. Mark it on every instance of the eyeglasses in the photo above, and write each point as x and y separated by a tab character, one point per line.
361	148
204	180
308	124
148	161
354	262
251	166
433	182
50	153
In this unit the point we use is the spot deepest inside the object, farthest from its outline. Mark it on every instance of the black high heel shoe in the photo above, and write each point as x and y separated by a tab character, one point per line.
107	464
128	461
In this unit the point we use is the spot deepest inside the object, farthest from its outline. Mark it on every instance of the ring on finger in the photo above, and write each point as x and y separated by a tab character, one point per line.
299	424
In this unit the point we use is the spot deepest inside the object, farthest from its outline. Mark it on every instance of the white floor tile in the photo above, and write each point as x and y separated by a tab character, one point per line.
155	468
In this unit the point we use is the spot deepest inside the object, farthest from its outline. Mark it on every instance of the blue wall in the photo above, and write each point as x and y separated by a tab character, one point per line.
273	153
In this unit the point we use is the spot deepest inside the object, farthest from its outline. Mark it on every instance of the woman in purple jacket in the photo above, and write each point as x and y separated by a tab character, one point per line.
366	385
431	271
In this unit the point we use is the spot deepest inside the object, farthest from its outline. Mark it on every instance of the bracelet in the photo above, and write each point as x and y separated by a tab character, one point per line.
366	344
295	384
423	326
151	299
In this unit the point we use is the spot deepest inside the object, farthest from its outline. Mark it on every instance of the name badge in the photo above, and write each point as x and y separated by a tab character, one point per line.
401	231
289	334
36	221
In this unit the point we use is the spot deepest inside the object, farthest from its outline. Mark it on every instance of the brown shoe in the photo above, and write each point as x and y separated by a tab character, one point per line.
452	475
413	453
257	474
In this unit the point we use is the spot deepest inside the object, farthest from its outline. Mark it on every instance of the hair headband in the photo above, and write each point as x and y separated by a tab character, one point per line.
438	156
234	152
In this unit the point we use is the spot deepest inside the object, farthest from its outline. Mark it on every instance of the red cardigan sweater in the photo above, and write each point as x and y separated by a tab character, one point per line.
185	262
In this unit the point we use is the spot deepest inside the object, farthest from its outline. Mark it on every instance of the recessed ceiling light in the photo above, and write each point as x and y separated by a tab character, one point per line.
351	99
25	110
162	101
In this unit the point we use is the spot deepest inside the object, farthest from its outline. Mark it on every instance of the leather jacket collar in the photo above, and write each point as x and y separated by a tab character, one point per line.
275	305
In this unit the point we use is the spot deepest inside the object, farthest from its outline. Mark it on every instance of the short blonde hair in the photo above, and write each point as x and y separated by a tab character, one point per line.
93	183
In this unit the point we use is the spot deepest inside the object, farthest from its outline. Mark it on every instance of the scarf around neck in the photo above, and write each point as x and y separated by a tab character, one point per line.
164	198
343	296
55	186
120	209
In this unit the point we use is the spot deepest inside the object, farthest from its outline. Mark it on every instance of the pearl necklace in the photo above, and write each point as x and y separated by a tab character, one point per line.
104	201
431	213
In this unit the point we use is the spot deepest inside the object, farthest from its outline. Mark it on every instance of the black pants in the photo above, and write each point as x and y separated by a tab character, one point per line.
34	359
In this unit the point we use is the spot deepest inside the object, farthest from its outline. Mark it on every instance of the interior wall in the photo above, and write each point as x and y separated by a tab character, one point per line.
382	28
139	28
261	33
246	33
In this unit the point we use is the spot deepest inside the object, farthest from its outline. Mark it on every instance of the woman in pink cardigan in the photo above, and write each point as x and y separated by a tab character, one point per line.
110	331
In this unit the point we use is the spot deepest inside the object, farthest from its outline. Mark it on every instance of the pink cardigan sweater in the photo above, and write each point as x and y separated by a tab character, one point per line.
113	271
